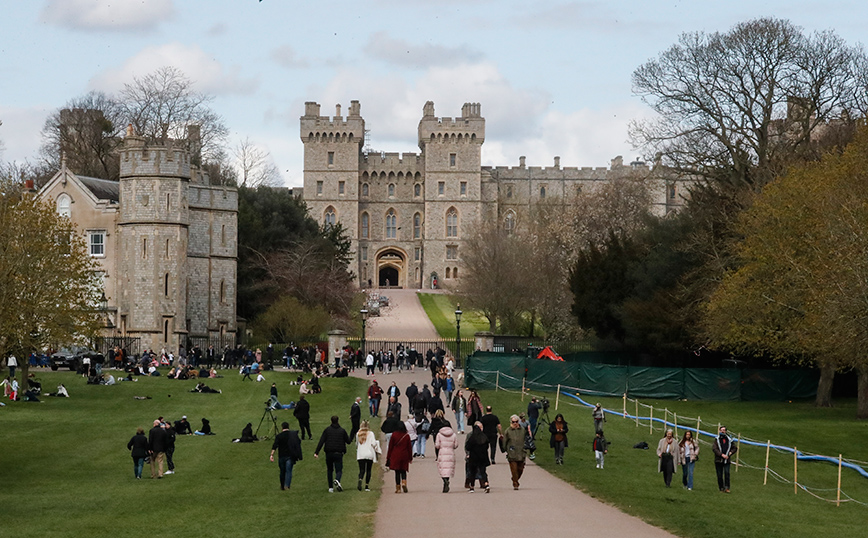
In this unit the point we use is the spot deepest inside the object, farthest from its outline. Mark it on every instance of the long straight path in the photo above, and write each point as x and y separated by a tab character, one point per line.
504	511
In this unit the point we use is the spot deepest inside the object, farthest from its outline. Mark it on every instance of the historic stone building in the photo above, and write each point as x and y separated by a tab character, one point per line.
408	214
165	240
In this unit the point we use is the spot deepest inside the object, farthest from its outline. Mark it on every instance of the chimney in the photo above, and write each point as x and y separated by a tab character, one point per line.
557	162
521	161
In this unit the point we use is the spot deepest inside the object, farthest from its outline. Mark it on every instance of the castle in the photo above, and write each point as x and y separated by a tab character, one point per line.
408	214
165	240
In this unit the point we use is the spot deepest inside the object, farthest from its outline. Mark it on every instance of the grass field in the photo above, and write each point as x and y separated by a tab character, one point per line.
440	308
66	470
631	482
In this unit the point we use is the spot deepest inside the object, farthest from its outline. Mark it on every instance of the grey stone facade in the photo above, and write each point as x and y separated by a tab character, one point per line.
408	214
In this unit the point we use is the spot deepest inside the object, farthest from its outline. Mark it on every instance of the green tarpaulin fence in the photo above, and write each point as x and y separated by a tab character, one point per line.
507	370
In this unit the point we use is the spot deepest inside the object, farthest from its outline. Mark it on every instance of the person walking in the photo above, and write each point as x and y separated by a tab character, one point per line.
389	426
423	426
723	449
157	440
12	364
688	451
335	440
288	446
138	447
476	453
375	394
459	407
302	414
491	428
558	430
533	414
367	449
667	451
355	416
445	444
512	443
599	417
600	447
399	456
474	408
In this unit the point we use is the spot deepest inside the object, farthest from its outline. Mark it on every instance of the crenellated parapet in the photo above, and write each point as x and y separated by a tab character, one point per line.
154	158
469	128
335	129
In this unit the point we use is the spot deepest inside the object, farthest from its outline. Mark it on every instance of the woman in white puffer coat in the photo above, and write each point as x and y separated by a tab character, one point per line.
446	444
367	449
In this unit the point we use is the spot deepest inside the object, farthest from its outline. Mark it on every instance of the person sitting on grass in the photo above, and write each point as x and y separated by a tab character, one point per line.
205	389
206	428
61	392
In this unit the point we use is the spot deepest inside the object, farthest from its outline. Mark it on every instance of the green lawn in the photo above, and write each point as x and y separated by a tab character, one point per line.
66	470
631	482
441	307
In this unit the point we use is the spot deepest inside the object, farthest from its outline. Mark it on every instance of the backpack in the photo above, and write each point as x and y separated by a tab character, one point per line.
641	445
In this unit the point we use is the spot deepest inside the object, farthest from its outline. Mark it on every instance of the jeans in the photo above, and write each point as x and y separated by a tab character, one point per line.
559	450
687	474
169	461
138	465
334	466
419	446
722	469
600	457
532	421
286	465
459	422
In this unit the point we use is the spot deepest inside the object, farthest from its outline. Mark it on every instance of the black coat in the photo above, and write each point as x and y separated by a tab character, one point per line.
553	430
355	415
333	439
288	445
476	446
302	410
139	446
158	439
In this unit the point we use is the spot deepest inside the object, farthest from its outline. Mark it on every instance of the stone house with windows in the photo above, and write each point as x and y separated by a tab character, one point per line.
408	214
165	240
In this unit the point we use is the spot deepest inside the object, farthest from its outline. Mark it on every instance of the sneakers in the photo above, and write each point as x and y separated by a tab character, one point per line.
367	488
338	486
169	472
331	490
598	466
360	484
470	490
488	489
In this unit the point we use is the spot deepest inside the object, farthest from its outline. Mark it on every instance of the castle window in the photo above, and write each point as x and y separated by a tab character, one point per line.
448	272
509	222
417	226
222	238
452	159
441	187
222	291
366	225
330	217
417	254
364	253
341	186
391	190
542	191
64	205
144	248
509	191
417	190
463	188
96	243
578	190
391	224
166	284
364	189
454	272
168	201
319	187
452	252
331	158
452	223
166	330
671	192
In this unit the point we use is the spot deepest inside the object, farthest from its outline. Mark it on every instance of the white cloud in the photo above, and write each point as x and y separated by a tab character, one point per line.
208	74
287	57
405	54
114	15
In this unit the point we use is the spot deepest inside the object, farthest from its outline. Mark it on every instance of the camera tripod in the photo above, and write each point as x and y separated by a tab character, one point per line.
271	431
543	419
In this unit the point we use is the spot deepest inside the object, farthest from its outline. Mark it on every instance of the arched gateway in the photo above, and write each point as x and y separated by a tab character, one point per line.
392	268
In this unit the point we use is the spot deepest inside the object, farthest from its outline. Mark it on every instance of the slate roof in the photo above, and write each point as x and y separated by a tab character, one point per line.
102	189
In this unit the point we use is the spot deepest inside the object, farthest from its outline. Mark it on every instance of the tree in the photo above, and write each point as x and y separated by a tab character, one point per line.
739	106
163	105
290	320
48	287
801	290
254	166
86	132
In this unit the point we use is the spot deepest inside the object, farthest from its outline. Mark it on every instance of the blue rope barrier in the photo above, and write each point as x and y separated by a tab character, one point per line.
800	455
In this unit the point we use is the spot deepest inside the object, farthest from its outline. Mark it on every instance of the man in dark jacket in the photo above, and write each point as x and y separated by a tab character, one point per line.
157	441
288	447
355	417
723	449
182	427
170	446
335	440
490	424
302	413
411	393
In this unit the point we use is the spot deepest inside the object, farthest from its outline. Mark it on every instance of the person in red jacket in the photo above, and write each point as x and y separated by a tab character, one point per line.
375	394
399	456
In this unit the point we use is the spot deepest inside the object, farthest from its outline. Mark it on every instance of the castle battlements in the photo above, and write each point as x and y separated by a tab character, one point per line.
337	128
392	159
164	158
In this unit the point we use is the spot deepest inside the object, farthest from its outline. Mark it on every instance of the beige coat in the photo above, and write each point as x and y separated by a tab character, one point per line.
694	452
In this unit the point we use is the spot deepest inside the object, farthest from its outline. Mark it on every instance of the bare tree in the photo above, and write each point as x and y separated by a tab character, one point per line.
163	104
254	166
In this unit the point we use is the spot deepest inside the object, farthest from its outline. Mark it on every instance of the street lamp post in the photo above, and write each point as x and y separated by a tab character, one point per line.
364	313
458	335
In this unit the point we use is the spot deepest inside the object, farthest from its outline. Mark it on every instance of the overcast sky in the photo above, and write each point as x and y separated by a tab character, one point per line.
553	77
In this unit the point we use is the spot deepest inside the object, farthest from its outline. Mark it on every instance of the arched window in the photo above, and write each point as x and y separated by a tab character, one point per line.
448	272
364	189
64	205
542	192
417	226
452	222
330	216
454	272
509	222
417	190
391	190
391	224
166	285
366	225
222	291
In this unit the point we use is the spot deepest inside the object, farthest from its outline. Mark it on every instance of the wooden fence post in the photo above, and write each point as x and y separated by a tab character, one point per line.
766	473
838	503
698	423
738	453
625	405
497	382
675	421
522	389
637	412
558	397
651	421
795	470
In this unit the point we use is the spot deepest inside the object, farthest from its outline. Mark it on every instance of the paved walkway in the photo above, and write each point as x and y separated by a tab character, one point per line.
403	319
502	512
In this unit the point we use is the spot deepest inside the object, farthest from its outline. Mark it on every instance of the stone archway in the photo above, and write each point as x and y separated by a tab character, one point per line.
391	268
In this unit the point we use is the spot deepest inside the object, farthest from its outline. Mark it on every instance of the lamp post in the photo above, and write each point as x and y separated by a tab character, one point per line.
458	335
364	313
103	307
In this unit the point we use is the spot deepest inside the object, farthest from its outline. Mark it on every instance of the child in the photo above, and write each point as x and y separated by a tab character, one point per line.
601	448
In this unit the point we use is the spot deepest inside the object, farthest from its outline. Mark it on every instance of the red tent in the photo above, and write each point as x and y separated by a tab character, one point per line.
548	353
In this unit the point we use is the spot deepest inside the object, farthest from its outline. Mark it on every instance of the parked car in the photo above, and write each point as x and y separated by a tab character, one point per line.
373	308
72	358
